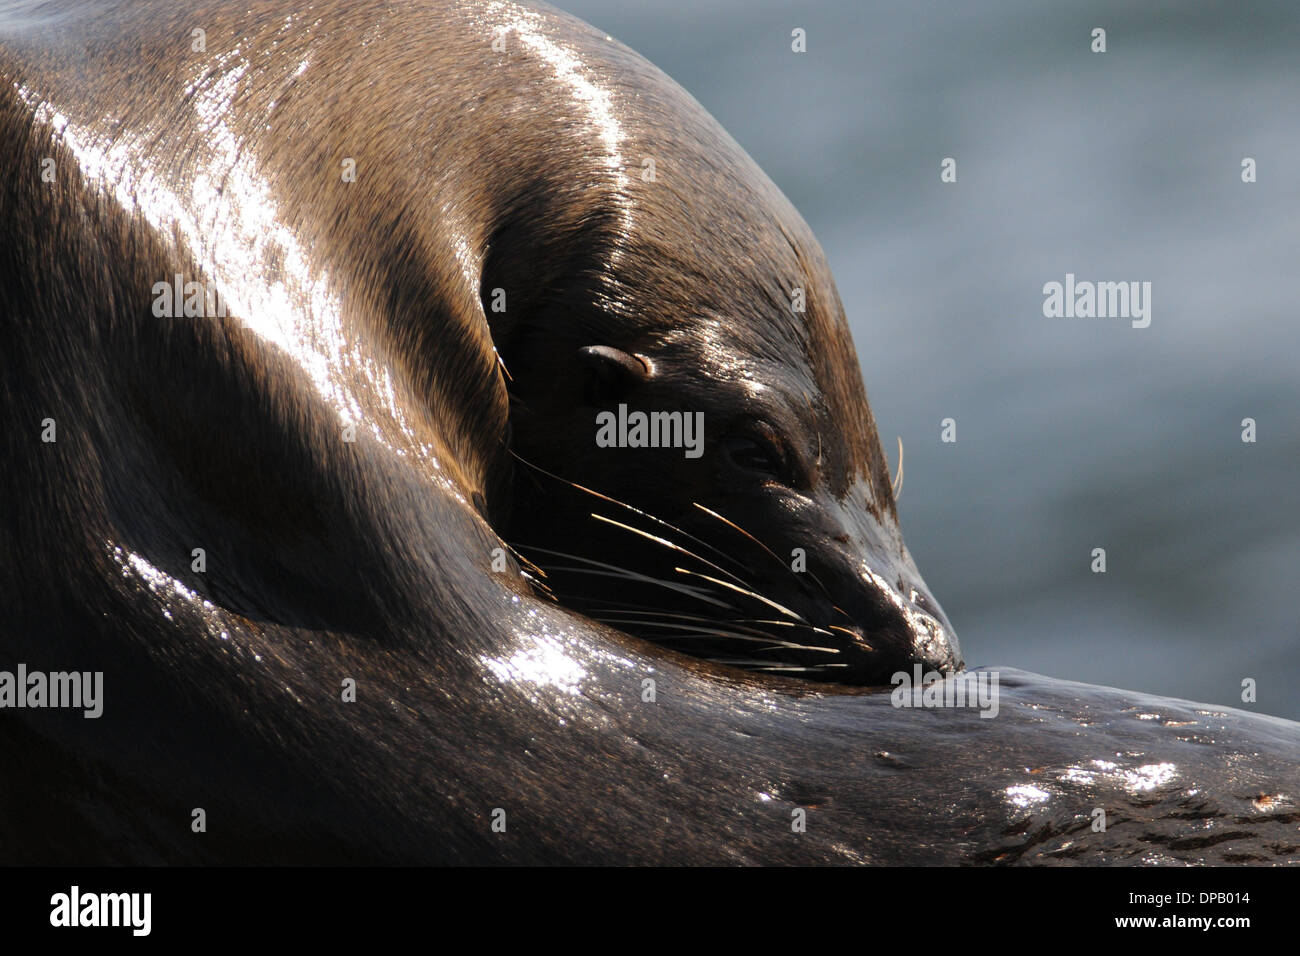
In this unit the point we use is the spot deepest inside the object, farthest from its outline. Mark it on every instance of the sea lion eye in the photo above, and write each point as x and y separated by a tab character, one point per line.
755	453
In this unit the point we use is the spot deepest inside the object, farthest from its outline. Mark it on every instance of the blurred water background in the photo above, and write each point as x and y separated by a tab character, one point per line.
1072	434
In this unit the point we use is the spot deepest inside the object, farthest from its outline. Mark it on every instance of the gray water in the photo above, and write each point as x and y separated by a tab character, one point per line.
1078	433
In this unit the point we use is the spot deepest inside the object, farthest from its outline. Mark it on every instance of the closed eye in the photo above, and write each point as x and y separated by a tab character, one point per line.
754	454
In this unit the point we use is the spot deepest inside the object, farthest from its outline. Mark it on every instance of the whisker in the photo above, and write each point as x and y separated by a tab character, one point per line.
897	482
641	608
756	596
741	621
538	584
656	612
737	527
502	362
644	514
757	665
523	560
709	628
680	588
667	544
776	557
685	534
616	572
731	635
811	627
650	616
856	637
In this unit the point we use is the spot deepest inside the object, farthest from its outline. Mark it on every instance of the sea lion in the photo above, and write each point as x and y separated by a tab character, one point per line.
693	295
280	523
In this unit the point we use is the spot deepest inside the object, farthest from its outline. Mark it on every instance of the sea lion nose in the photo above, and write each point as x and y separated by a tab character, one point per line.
901	624
880	598
935	642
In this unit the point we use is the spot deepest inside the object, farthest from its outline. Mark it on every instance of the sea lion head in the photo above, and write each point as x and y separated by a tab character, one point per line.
767	536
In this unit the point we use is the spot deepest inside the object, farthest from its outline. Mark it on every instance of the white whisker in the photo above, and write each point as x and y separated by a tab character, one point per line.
758	597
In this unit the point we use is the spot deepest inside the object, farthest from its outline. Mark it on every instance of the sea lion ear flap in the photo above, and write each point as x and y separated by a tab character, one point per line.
613	371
